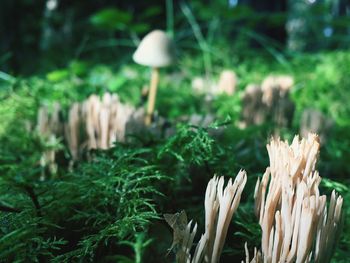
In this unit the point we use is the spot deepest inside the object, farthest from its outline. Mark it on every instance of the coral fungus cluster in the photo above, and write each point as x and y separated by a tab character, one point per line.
296	225
93	124
220	205
268	101
295	222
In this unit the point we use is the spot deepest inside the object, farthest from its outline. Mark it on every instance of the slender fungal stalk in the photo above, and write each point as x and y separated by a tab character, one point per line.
152	95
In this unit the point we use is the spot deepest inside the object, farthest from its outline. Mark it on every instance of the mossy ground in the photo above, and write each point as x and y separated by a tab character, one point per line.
110	209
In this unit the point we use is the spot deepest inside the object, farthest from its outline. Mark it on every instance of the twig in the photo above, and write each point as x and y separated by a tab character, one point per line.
5	208
34	198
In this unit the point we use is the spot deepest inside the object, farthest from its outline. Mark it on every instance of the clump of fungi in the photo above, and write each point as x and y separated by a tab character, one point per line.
220	205
254	111
226	84
314	121
268	101
96	123
295	222
92	124
50	128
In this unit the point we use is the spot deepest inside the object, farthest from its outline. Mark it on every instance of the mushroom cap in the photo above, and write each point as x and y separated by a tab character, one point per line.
156	50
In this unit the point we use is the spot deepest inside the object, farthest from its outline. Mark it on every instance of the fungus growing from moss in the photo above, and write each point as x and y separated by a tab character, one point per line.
155	51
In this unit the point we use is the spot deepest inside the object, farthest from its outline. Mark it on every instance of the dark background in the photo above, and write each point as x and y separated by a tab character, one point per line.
38	36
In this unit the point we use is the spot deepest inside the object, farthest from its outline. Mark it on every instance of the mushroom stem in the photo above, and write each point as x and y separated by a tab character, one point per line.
152	95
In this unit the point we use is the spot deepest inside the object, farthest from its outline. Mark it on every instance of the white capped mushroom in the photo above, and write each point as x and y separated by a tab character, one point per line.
155	50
